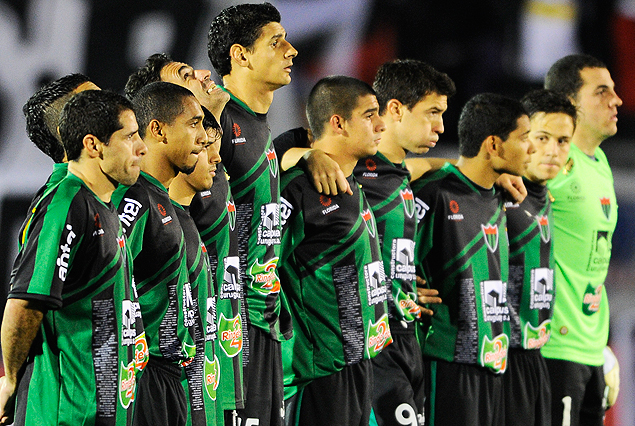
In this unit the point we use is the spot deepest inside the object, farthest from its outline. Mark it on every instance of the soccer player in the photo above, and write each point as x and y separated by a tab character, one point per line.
72	308
530	289
585	215
331	267
248	48
462	251
171	124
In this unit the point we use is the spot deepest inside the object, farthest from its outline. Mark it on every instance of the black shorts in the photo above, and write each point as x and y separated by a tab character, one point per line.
342	398
463	394
160	398
264	392
527	389
577	393
399	395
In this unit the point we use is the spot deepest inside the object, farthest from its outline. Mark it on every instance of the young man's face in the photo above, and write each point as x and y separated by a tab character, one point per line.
121	158
202	177
196	81
597	103
421	126
186	136
364	128
517	149
272	56
551	136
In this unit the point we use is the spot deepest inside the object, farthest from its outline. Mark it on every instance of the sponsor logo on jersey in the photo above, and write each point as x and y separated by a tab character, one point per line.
237	131
127	384
188	351
494	353
378	336
166	219
407	308
600	252
211	327
408	201
545	230
606	206
494	297
130	311
454	209
371	166
212	376
141	352
285	211
131	209
541	288
205	194
189	306
592	299
230	333
273	162
98	230
375	278
231	213
231	288
269	229
65	253
369	220
264	278
402	259
537	337
328	203
490	233
421	207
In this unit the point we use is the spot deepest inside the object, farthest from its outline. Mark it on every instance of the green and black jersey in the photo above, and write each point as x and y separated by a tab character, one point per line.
462	249
91	346
160	270
251	162
387	189
530	290
216	223
333	279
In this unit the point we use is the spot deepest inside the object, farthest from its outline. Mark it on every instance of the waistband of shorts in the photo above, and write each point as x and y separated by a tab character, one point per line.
165	366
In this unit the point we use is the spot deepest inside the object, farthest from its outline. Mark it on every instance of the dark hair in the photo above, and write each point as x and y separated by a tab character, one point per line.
148	73
160	101
241	24
487	114
42	112
409	81
333	95
549	102
92	112
564	74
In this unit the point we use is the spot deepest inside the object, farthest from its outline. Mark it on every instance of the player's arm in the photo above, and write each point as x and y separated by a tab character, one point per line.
21	322
418	166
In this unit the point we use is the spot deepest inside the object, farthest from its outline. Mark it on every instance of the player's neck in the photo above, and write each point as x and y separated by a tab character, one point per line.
333	147
257	96
158	167
586	141
390	148
181	191
101	185
478	171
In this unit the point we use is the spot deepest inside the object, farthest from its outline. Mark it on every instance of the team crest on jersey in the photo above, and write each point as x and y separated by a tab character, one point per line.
545	229
212	376
273	162
494	299
408	201
592	299
369	219
541	288
237	132
231	214
232	286
375	278
402	259
285	211
537	337
127	384
269	229
378	336
421	208
264	278
606	206
494	353
211	327
407	308
230	335
490	233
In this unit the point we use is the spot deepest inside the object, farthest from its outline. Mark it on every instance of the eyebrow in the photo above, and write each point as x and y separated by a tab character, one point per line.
185	67
370	110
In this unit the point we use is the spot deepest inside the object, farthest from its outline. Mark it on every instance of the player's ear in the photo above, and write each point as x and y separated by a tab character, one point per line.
492	145
157	130
394	109
337	123
238	54
92	146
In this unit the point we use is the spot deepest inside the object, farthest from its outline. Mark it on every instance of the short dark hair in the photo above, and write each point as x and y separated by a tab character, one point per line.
332	95
564	74
148	73
487	114
549	102
409	81
92	112
160	101
241	24
42	112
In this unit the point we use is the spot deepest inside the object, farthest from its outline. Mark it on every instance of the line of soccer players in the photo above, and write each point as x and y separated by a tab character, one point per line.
181	267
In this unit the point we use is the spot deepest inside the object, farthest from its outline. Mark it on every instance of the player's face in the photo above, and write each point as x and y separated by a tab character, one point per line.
186	136
121	158
422	125
364	127
202	177
515	152
272	56
597	103
199	82
551	136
